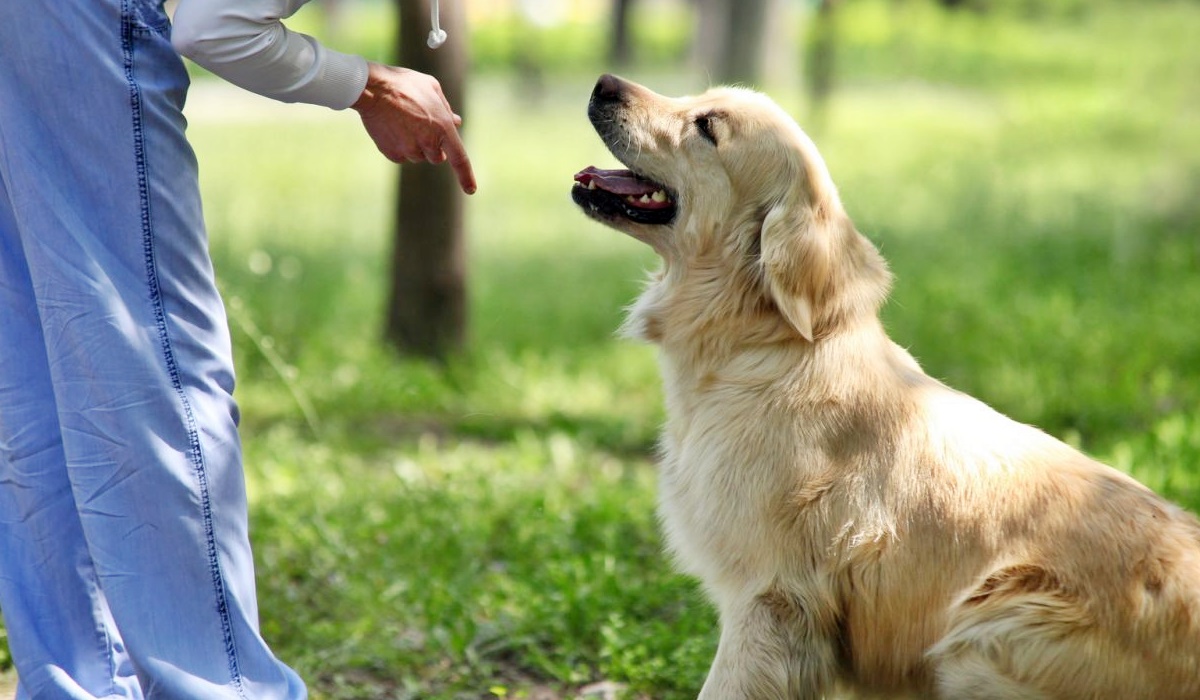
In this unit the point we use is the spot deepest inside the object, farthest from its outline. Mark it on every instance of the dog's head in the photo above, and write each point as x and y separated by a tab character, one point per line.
727	183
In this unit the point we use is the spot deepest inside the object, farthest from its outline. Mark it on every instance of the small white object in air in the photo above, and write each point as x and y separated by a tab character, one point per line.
437	37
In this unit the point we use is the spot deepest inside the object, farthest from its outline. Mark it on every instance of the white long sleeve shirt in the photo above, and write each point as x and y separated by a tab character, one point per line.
246	43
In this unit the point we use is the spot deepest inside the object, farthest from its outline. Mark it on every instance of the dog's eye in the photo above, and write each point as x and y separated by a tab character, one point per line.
704	124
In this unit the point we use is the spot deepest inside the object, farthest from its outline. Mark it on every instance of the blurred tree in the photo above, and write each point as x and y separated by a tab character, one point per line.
822	49
620	48
729	40
529	59
427	303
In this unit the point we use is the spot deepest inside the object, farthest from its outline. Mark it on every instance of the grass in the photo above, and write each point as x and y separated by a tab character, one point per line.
486	529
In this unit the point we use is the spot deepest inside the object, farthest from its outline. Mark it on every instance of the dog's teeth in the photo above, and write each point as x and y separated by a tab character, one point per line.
659	196
591	184
645	199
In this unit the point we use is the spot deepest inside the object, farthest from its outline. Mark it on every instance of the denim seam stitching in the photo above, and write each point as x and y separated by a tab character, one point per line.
195	453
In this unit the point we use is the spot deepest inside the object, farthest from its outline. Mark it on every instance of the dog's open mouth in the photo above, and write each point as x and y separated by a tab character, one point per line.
613	193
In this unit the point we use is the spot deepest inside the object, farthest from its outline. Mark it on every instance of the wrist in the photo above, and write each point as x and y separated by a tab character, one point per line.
371	90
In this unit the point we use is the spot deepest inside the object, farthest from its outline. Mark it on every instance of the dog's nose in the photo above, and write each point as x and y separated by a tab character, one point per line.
608	89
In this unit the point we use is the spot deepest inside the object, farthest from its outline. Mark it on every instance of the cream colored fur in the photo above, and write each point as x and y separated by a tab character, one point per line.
858	524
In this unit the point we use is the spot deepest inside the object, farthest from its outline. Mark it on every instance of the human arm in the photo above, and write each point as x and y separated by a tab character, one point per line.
246	43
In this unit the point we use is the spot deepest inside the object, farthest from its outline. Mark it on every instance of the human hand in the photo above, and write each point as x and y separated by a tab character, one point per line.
410	120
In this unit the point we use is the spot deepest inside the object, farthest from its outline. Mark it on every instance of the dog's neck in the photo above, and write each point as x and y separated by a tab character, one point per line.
713	318
717	306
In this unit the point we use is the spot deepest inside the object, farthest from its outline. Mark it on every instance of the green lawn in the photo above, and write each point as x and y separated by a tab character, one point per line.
487	529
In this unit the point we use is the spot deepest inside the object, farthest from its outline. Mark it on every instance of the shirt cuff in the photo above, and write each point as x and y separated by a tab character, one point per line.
342	81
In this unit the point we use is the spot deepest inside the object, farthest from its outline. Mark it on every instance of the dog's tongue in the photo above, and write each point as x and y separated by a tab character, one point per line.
621	182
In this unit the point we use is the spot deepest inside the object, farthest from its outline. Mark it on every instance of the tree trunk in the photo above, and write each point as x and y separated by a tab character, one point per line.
620	49
427	306
746	27
822	52
730	39
708	35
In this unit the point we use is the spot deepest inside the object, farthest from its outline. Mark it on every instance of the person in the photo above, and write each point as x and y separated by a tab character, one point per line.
125	566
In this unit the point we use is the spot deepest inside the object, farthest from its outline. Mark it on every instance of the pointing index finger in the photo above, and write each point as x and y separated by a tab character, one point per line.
456	156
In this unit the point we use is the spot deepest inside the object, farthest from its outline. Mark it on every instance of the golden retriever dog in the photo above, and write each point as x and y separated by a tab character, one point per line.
859	526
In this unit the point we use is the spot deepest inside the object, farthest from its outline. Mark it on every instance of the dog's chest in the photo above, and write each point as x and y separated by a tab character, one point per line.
726	481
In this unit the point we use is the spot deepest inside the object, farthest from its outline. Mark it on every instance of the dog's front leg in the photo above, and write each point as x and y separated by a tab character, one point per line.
770	650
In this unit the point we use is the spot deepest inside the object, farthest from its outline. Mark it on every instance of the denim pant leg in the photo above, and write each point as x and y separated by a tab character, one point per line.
104	198
61	632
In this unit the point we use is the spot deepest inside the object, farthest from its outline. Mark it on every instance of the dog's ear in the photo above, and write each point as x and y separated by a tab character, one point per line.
816	267
796	245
